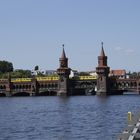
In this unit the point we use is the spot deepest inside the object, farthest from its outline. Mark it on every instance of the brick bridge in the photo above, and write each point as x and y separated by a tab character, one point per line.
45	86
63	85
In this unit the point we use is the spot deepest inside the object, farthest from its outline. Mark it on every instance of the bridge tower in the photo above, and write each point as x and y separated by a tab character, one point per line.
63	71
102	70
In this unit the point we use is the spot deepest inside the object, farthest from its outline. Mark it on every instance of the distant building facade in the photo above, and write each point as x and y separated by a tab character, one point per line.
120	74
73	73
93	73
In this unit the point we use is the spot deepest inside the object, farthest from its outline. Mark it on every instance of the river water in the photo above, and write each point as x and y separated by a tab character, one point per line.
71	118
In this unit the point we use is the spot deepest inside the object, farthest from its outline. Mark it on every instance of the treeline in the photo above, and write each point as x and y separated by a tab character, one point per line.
134	75
7	67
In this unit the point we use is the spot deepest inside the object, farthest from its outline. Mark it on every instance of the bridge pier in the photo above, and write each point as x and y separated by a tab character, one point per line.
89	91
8	94
32	94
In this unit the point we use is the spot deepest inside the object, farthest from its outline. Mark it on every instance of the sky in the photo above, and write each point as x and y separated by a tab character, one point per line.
32	33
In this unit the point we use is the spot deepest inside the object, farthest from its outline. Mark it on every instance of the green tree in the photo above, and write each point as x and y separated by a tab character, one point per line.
36	68
6	66
134	75
84	74
21	74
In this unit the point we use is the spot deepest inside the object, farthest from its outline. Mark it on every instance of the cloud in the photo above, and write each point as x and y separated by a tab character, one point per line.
129	51
118	49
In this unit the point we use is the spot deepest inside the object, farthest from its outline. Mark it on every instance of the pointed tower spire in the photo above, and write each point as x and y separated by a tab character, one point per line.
63	59
63	56
102	50
102	59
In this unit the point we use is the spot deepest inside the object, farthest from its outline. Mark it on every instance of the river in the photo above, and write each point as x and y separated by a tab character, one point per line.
59	118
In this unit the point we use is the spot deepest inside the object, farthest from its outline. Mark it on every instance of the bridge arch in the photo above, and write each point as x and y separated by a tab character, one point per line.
28	86
2	94
2	87
21	94
135	84
41	85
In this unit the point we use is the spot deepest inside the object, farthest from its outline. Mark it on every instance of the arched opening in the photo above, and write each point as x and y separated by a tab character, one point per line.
131	84
135	84
27	86
13	87
23	86
21	94
119	85
44	93
127	84
2	95
4	87
52	85
49	86
52	93
112	85
20	87
55	85
41	86
1	87
16	87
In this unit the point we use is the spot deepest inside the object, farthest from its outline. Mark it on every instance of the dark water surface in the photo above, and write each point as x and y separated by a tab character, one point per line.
72	118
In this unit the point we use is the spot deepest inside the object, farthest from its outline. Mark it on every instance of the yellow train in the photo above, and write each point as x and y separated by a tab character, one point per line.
21	80
51	78
48	78
87	77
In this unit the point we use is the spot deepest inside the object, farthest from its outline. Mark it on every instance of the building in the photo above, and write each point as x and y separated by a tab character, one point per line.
93	73
73	73
120	74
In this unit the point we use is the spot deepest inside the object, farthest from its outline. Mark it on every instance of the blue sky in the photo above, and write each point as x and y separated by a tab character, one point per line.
33	31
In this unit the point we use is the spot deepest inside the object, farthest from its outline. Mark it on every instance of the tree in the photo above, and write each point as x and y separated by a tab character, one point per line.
36	68
21	73
134	75
84	74
6	66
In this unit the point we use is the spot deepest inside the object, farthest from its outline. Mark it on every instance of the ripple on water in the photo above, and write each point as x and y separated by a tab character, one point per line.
55	118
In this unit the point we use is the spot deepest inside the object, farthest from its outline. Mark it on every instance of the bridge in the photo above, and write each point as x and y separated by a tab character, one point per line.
39	86
127	85
63	85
